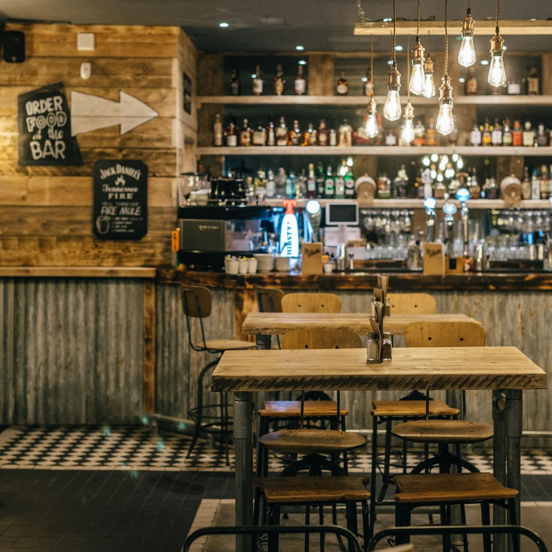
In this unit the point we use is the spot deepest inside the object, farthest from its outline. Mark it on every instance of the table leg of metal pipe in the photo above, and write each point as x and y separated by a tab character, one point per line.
500	450
514	429
264	341
243	441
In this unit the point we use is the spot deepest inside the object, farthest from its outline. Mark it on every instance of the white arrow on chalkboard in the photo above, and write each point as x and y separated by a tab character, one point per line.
90	113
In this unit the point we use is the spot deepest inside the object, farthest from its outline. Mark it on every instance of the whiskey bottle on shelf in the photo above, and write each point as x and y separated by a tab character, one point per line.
270	185
535	186
270	134
431	133
300	82
486	135
541	138
245	134
259	136
280	181
544	188
471	83
332	138
390	138
329	184
507	137
526	184
231	135
400	184
234	82
345	135
532	84
323	134
528	135
340	181
517	134
257	82
349	184
496	137
279	81
473	186
342	88
282	133
290	185
475	135
310	136
217	131
295	137
311	182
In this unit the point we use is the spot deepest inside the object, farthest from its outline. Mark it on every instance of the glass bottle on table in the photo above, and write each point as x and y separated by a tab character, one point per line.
342	87
257	82
282	133
279	81
234	82
300	82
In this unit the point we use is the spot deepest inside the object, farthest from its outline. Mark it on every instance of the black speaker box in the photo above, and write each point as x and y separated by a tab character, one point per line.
14	47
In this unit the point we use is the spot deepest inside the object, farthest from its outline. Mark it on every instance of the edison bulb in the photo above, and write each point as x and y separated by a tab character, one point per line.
445	119
371	125
429	85
392	109
497	71
417	79
466	55
407	133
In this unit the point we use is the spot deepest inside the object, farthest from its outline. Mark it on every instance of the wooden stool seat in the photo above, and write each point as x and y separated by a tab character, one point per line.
227	344
308	441
288	490
292	409
401	409
450	487
444	431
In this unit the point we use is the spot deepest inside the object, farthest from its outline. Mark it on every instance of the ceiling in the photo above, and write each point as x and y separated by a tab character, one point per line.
266	25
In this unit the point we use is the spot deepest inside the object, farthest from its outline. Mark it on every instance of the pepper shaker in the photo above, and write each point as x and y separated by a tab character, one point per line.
386	347
373	348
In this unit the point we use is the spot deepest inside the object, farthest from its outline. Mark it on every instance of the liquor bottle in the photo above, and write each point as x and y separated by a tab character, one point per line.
270	185
535	186
270	134
550	182
245	134
383	186
496	137
295	138
217	131
280	180
320	180
257	82
234	82
282	133
507	137
420	134
400	184
486	135
542	138
473	186
301	186
340	181
532	82
475	135
517	134
431	133
329	184
259	136
311	182
526	184
378	140
290	185
491	189
332	138
322	134
528	135
231	135
310	136
390	138
471	83
349	184
345	135
300	82
544	188
342	88
279	81
368	84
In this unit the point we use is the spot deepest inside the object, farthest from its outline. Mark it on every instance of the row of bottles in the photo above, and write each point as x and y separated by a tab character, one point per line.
279	82
506	134
538	185
528	85
280	135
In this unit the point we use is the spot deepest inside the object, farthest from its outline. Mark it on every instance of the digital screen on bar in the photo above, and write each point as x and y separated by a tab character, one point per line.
341	213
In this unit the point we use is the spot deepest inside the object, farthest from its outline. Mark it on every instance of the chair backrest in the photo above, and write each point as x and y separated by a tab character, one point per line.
311	302
196	301
269	299
321	339
412	303
444	334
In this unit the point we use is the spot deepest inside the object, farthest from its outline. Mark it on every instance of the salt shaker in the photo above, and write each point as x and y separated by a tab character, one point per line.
373	348
387	347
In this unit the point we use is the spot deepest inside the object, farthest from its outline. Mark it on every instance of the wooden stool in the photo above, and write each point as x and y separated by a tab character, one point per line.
196	303
309	491
449	489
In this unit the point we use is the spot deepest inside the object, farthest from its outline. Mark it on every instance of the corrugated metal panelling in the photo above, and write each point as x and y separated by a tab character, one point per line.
71	350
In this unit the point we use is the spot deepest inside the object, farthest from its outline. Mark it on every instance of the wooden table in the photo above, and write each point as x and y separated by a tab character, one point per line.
505	370
267	323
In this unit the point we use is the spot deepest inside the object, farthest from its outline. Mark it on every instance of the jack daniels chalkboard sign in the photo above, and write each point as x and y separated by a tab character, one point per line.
45	128
120	199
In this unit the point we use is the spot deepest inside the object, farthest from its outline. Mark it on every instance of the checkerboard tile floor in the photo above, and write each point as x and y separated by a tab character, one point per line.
139	448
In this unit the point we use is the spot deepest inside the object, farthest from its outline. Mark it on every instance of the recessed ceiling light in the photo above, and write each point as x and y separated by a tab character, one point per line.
399	48
300	48
224	24
387	19
302	62
484	62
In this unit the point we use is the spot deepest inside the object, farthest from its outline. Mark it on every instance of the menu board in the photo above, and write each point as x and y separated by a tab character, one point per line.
120	199
44	122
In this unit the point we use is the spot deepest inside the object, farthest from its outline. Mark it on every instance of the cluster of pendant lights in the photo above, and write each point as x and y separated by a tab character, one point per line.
421	80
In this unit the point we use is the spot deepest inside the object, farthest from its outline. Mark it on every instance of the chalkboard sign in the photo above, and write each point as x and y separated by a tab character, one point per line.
45	128
120	199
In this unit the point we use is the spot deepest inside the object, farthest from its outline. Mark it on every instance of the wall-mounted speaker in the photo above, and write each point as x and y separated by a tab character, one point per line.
14	47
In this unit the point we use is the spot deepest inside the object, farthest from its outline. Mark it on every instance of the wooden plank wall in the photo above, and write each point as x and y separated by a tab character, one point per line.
46	212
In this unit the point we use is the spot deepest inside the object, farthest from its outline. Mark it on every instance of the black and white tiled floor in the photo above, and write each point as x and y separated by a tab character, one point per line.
139	448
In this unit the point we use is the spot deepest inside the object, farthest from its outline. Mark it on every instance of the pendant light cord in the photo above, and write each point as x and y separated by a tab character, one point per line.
418	23
446	37
360	11
469	6
372	58
497	13
395	32
408	70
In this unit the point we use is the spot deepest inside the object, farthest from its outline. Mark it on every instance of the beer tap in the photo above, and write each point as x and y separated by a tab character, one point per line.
429	204
462	195
449	209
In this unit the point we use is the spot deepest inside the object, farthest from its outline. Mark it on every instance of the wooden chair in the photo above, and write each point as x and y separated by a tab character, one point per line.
269	299
311	302
196	304
412	303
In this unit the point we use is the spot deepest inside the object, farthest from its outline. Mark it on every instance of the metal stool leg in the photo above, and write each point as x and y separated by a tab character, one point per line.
365	524
307	522
273	519
486	520
373	475
352	523
321	521
513	521
402	519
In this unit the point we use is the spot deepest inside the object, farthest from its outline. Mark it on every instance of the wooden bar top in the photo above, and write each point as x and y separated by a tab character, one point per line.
399	281
76	272
278	323
347	369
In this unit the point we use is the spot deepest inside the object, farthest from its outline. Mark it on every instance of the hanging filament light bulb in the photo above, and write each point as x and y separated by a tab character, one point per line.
429	83
371	127
392	108
466	55
416	81
497	71
445	119
407	132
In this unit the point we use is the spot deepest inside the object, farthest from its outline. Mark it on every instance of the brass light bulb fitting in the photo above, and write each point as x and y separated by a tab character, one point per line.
445	90
372	107
429	65
497	44
468	24
394	82
418	53
408	111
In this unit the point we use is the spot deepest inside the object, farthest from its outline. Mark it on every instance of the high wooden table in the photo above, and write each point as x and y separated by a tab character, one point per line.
504	370
265	324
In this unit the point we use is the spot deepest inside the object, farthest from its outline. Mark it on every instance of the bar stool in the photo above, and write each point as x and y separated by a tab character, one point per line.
196	303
